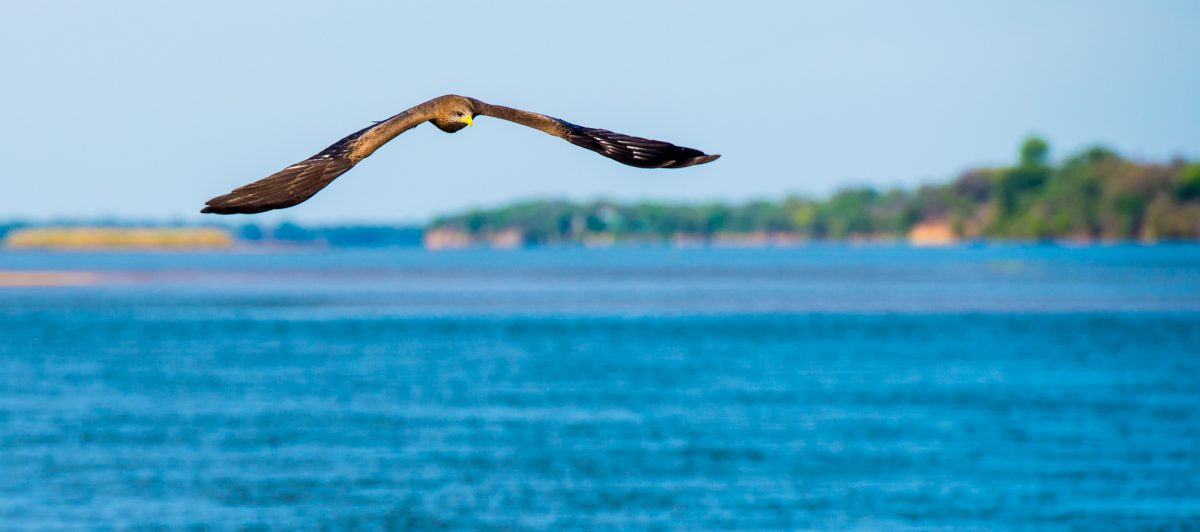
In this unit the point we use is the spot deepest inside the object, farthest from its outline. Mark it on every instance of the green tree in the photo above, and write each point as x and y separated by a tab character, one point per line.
1188	187
1034	151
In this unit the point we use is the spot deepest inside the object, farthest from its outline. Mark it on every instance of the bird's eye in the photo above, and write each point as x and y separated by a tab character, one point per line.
458	113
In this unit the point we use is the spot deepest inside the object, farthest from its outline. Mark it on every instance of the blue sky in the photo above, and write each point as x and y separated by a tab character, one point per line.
143	110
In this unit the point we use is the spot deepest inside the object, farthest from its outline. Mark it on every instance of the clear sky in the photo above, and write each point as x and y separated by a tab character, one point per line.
143	110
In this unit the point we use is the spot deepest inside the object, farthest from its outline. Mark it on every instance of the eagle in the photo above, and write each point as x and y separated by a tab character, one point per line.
449	113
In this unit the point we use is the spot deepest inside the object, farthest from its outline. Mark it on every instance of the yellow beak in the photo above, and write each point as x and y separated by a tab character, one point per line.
470	120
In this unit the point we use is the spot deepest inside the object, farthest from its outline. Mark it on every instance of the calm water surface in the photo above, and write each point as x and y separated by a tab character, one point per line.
818	387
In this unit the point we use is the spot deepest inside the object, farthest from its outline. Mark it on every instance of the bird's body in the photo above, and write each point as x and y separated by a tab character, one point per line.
449	113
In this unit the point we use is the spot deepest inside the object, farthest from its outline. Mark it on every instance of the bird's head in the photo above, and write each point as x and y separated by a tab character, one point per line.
453	113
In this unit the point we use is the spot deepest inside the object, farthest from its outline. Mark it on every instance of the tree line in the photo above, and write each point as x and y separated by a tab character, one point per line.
1092	195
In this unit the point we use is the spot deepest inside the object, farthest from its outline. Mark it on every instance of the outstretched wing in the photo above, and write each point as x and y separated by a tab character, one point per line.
300	181
292	185
626	149
634	151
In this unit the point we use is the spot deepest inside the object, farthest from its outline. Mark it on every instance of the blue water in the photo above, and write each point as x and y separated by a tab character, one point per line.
817	387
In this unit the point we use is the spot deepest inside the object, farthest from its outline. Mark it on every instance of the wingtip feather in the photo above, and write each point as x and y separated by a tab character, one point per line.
213	209
697	160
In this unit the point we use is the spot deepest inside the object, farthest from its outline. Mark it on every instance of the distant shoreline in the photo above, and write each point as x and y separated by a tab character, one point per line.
86	239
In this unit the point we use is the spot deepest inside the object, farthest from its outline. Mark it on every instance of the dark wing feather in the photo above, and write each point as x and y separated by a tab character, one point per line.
285	188
289	186
634	151
300	181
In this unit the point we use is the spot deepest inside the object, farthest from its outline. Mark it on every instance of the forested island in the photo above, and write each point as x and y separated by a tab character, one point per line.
1095	195
1091	196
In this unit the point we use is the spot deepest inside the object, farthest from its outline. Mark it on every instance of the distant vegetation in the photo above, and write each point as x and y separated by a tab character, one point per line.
1093	195
117	237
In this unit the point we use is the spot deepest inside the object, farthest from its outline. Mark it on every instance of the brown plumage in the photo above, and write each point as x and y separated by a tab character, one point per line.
449	113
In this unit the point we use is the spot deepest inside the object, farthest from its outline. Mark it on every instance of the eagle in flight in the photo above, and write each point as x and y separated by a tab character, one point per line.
449	113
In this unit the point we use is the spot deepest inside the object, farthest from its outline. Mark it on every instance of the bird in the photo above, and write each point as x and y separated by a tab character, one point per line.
450	113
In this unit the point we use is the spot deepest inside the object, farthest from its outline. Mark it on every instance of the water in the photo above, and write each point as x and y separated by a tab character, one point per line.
818	387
